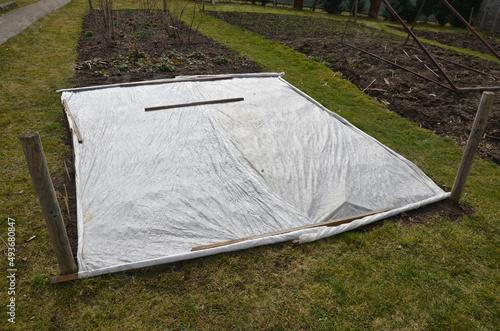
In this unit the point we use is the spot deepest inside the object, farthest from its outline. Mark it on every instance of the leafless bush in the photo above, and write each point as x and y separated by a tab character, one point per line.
173	23
106	7
150	5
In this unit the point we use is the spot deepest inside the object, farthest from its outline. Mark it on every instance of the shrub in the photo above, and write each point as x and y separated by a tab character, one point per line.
333	6
338	6
165	66
463	7
404	8
220	60
444	15
197	55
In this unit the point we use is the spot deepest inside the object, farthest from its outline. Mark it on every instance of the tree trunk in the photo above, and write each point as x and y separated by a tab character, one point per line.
374	8
313	7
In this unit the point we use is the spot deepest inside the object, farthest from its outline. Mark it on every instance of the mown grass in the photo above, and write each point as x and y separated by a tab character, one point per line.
439	276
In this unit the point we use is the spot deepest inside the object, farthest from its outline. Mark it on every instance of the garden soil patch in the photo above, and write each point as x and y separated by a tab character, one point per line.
143	47
462	40
446	113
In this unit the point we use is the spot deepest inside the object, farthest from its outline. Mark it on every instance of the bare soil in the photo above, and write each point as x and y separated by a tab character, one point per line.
144	47
463	40
433	107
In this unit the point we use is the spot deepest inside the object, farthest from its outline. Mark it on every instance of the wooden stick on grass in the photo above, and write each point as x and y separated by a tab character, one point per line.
334	222
63	278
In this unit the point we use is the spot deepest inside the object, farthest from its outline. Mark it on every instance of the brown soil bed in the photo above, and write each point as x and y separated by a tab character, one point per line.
134	55
433	107
147	46
462	40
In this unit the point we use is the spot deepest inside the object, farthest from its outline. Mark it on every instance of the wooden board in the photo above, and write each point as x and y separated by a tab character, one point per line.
334	222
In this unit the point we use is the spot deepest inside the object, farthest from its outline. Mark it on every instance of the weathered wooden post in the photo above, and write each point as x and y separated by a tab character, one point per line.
37	164
472	144
494	25
470	18
356	11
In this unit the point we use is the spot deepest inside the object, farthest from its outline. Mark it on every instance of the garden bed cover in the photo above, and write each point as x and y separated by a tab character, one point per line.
154	186
137	55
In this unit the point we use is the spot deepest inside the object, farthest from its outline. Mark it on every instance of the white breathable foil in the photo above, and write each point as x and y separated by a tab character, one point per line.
153	185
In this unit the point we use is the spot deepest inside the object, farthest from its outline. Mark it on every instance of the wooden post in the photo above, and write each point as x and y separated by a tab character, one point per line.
356	11
485	14
37	164
90	4
470	18
495	21
164	6
472	144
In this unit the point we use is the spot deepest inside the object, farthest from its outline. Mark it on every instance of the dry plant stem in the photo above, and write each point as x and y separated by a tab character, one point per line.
431	70
66	201
67	171
373	81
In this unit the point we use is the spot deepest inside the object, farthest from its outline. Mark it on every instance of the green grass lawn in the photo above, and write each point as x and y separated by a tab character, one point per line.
444	275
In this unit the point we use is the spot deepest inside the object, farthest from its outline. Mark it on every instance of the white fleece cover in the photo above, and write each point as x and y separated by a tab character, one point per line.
152	185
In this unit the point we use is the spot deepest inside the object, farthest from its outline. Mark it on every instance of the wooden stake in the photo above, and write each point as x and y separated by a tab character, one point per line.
472	144
470	18
485	14
66	108
37	164
495	21
64	278
356	5
197	103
